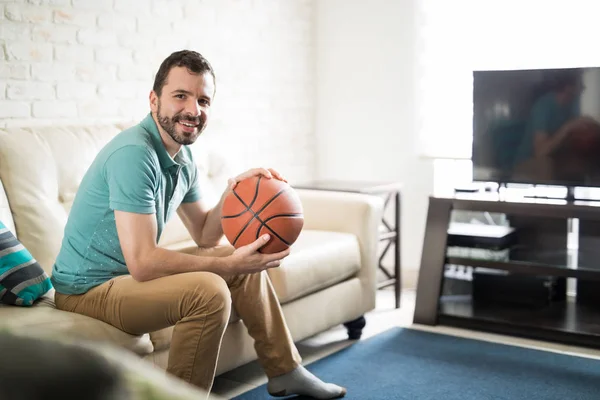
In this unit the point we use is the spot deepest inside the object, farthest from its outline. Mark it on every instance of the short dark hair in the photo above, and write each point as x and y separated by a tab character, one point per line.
192	60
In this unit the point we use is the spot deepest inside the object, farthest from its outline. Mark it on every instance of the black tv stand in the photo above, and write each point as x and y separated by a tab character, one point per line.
539	250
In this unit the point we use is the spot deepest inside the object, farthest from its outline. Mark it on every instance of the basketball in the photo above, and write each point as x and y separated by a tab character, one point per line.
260	205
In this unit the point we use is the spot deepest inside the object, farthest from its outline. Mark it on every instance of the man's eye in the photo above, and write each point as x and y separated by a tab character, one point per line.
180	96
203	102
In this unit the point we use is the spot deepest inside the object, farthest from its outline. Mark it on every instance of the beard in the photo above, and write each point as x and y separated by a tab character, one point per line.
169	124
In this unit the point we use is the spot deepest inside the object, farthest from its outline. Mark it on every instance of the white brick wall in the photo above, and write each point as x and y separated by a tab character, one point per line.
93	61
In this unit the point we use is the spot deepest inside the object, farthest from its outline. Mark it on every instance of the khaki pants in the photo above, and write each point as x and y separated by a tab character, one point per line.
199	305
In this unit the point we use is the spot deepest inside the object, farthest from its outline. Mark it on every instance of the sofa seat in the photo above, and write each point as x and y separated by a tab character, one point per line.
44	318
318	259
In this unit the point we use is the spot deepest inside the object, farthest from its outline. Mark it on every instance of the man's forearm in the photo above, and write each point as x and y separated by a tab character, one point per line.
162	262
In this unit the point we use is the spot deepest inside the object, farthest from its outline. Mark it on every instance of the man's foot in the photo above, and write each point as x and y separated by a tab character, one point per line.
301	382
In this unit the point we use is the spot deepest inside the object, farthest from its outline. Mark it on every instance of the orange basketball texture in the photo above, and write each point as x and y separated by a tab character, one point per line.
260	205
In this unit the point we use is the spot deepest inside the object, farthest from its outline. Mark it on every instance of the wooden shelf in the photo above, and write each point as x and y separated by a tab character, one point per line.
566	321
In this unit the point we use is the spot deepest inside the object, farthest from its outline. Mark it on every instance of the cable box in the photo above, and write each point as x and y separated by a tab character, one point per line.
492	237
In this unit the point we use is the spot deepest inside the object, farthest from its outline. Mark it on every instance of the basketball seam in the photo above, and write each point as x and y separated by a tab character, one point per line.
255	214
272	231
247	207
264	223
284	215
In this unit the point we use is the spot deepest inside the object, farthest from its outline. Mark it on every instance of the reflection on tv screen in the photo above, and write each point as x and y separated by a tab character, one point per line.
537	126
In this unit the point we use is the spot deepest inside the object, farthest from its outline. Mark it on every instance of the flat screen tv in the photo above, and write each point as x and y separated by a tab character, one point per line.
537	126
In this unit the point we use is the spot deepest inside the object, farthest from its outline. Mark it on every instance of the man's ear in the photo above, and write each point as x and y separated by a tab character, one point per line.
153	101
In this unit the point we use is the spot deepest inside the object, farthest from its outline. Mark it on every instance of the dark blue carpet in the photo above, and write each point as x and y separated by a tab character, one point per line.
411	364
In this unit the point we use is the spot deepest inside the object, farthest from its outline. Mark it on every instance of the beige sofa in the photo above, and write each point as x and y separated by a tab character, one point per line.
328	279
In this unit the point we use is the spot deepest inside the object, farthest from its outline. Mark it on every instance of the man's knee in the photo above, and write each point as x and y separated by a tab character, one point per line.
207	293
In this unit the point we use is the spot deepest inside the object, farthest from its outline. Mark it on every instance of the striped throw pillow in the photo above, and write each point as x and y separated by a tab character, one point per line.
22	279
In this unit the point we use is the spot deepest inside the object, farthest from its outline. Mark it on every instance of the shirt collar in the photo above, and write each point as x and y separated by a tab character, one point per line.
166	161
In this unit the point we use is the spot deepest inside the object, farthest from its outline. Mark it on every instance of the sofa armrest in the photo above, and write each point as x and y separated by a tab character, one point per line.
355	213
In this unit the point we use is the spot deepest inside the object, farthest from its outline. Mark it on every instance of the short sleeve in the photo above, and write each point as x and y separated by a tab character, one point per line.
193	194
132	179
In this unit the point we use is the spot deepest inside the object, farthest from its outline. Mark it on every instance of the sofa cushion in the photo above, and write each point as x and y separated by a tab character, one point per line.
45	319
318	259
22	279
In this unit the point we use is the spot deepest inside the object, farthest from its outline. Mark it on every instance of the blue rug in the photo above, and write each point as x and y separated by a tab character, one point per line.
410	364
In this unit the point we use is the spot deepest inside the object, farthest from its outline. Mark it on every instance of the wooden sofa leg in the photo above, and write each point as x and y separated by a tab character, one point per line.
355	327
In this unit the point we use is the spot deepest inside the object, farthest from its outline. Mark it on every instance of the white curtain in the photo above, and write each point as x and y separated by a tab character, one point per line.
456	37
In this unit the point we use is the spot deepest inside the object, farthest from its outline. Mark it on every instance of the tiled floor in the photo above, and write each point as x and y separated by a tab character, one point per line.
384	317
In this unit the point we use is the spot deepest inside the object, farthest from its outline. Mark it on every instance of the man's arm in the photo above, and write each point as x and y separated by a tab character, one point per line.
202	222
146	261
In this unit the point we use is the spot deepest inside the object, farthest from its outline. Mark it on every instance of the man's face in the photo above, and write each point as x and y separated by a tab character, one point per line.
183	107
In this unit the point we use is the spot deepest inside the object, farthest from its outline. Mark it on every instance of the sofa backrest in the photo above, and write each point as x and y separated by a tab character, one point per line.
41	169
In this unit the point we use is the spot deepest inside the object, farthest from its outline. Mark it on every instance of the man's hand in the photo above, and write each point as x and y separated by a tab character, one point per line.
247	259
267	173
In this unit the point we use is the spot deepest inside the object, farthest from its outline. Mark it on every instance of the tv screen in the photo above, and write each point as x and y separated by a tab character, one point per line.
537	126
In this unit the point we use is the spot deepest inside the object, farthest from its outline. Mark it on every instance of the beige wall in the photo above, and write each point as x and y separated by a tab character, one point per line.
366	112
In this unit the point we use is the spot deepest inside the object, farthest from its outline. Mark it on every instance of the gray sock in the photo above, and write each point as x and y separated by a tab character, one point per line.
301	382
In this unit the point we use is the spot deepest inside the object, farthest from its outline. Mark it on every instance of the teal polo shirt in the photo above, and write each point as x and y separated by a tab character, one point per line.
133	173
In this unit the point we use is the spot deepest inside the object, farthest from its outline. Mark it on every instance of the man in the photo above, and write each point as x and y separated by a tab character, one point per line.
111	268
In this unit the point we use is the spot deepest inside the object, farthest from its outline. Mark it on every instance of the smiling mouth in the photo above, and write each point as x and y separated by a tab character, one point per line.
189	124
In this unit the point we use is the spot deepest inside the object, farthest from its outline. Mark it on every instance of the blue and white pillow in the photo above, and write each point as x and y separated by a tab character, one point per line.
22	279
